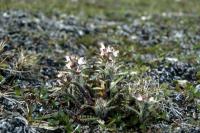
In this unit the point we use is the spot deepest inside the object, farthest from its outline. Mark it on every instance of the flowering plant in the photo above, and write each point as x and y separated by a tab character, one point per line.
100	88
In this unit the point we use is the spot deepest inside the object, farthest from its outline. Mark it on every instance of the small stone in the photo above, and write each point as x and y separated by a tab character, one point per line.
6	15
182	83
179	97
172	60
197	89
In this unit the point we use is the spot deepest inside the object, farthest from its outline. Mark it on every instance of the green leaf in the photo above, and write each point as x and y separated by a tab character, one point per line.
114	83
17	92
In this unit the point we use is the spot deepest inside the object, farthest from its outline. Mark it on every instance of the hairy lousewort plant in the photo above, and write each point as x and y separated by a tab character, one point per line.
105	91
108	52
74	65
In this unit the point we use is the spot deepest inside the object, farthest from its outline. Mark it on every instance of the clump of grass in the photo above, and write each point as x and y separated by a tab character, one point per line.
2	45
25	60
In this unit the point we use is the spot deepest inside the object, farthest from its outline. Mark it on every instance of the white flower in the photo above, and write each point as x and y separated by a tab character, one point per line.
61	74
139	98
67	58
115	53
102	49
71	62
81	61
108	52
151	99
75	63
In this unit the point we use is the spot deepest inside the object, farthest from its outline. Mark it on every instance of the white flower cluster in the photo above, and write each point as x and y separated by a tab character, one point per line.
108	52
74	63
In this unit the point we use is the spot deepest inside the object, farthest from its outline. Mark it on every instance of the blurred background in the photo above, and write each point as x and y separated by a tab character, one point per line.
104	8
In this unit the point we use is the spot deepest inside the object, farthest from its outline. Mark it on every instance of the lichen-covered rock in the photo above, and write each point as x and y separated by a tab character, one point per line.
173	71
15	124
